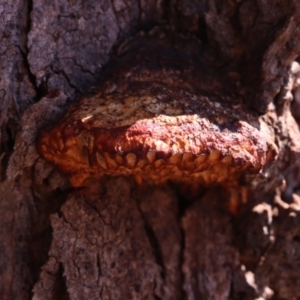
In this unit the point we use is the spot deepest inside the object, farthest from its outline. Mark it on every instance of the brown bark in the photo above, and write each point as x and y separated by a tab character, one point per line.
114	239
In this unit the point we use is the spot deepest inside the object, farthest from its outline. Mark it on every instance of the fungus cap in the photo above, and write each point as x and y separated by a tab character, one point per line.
148	122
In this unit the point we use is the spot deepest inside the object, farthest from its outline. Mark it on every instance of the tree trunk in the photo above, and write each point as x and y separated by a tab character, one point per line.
115	239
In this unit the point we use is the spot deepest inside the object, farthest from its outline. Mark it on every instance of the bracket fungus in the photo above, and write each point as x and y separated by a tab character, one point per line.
163	111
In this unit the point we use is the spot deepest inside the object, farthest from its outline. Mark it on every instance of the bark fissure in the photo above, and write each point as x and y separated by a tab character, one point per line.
154	244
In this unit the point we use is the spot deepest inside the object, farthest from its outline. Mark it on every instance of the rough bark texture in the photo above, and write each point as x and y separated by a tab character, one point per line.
114	239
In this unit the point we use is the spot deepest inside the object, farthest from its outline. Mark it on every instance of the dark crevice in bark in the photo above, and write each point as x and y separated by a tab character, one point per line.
148	26
231	292
42	90
61	72
41	234
60	291
143	25
156	248
252	74
184	202
140	13
154	243
167	10
186	196
8	134
29	10
98	263
202	35
181	259
31	76
116	15
235	20
24	53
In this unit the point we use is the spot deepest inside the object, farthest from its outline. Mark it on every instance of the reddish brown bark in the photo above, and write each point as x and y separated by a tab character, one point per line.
113	239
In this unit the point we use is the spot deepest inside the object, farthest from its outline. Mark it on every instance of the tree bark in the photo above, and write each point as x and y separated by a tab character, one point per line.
114	239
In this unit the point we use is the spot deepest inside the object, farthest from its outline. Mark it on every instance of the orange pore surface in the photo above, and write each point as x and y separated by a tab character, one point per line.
152	147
